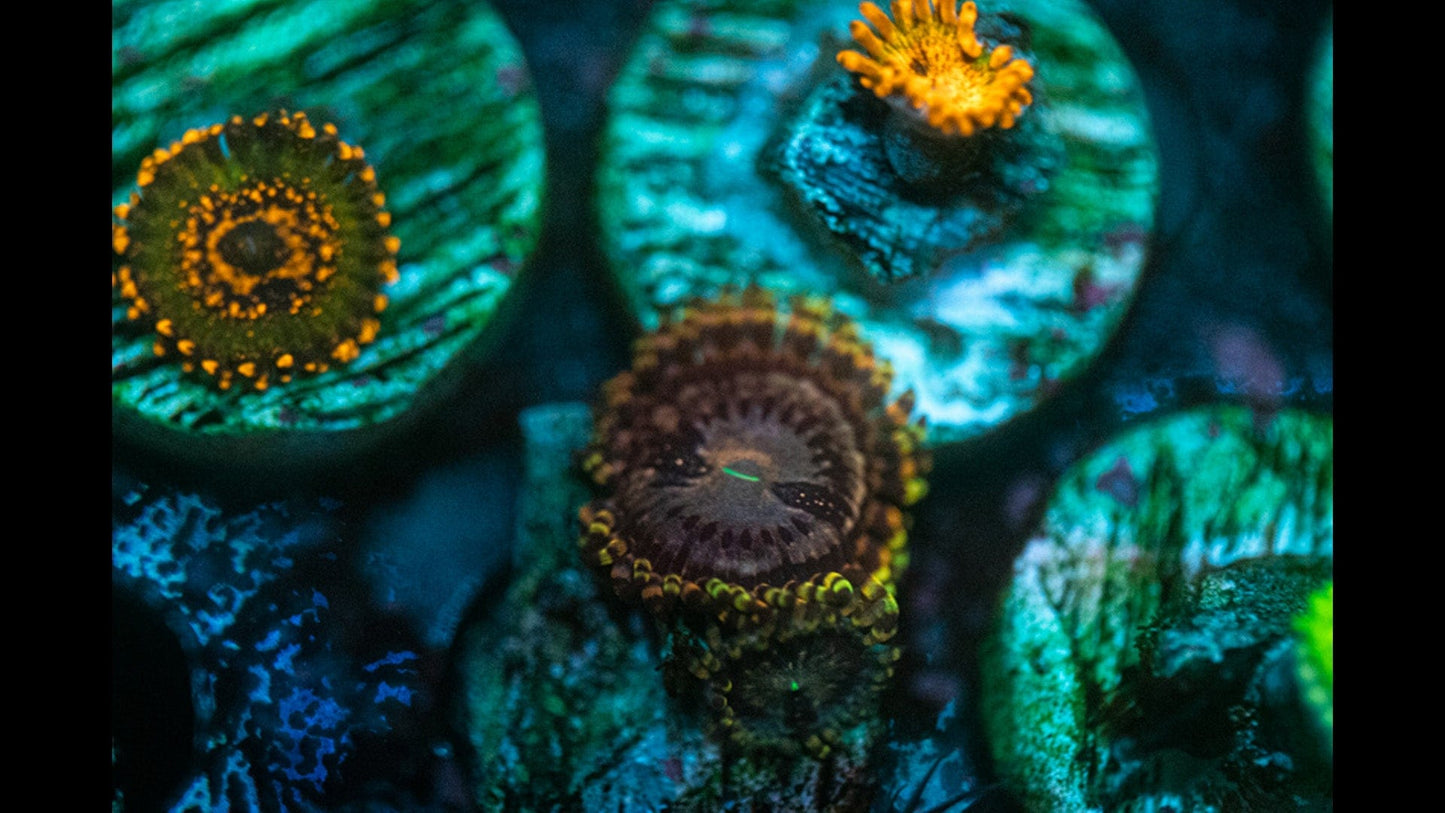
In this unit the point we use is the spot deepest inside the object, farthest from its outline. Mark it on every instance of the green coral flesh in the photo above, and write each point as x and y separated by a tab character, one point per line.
1316	628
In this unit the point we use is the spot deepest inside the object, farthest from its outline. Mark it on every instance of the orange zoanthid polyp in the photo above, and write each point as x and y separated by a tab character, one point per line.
929	54
256	248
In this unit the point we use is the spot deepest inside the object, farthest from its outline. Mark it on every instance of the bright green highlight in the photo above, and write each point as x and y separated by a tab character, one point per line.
794	684
1317	626
750	479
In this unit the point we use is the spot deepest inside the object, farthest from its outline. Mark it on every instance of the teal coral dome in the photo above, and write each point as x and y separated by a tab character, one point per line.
974	185
459	156
1144	653
256	249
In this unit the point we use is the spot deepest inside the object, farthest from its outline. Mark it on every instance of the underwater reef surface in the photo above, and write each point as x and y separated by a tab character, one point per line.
410	625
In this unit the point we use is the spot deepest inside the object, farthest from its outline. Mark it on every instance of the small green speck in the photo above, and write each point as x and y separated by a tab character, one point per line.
750	479
794	684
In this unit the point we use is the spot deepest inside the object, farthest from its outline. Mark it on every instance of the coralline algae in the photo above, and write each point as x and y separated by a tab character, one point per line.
289	709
